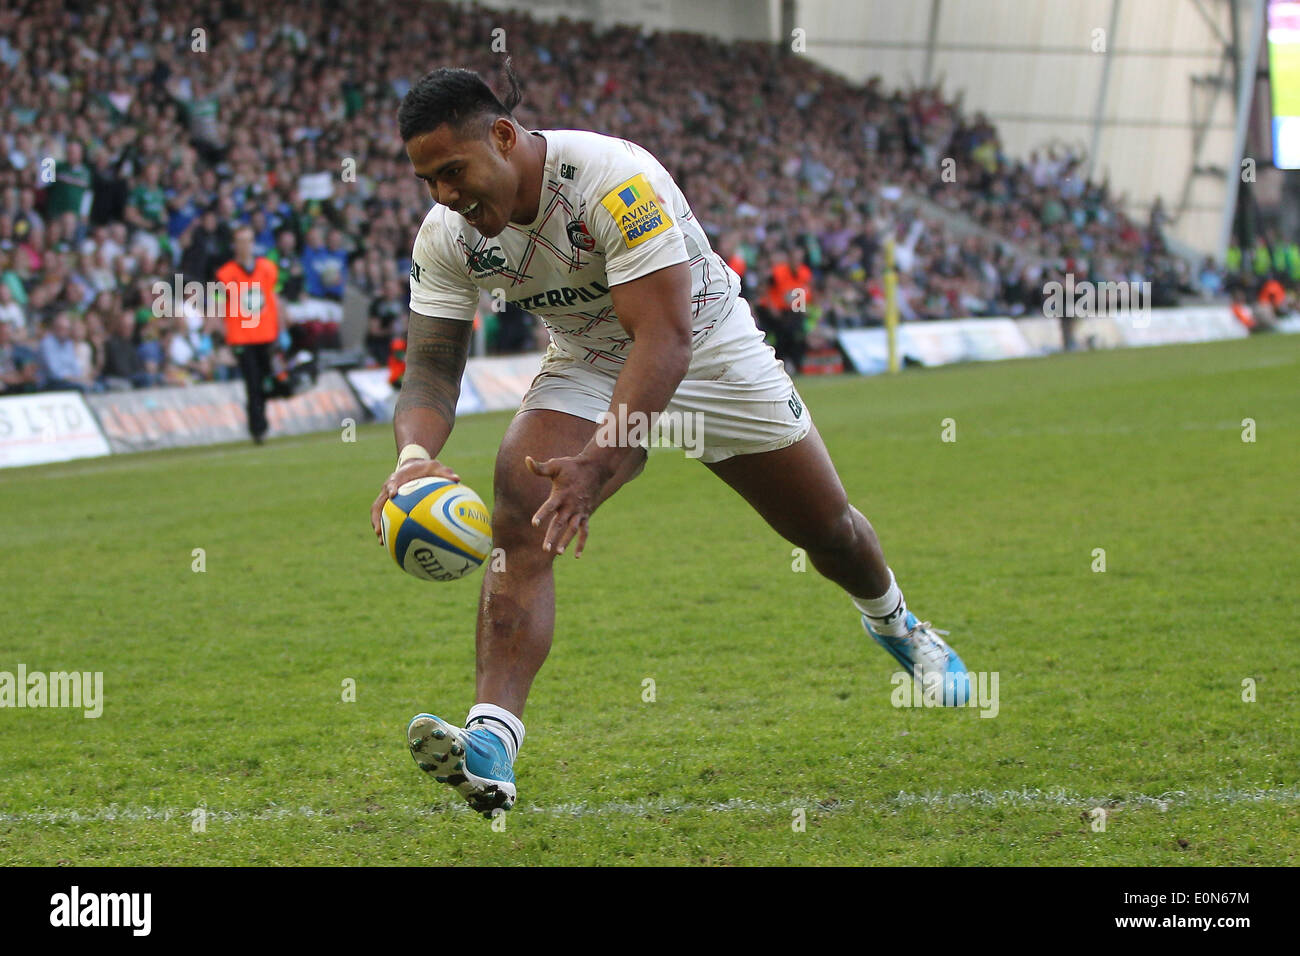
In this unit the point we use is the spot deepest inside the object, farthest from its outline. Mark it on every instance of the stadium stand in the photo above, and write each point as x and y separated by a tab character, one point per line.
135	136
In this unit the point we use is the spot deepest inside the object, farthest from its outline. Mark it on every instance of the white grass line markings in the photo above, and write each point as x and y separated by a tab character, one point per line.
940	800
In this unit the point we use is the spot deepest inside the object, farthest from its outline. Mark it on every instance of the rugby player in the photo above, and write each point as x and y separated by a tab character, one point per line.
591	234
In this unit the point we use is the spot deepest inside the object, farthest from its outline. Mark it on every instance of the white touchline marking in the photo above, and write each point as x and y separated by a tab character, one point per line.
1067	431
940	800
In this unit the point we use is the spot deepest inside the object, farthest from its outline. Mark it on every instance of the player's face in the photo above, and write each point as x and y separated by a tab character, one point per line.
472	174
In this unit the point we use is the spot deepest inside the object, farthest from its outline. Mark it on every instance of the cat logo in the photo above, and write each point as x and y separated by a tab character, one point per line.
415	271
567	170
579	237
796	406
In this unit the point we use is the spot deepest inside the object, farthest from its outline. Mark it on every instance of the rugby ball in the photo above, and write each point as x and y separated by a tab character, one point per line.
436	530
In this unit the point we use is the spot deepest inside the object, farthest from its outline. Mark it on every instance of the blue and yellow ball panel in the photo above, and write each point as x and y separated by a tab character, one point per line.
436	530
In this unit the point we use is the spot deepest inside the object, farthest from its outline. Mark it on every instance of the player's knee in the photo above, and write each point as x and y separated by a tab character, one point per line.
512	521
516	498
836	535
639	458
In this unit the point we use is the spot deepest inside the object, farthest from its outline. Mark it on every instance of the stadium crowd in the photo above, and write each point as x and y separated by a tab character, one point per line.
136	135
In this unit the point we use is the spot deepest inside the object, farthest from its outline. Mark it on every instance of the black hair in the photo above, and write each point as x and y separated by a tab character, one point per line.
453	96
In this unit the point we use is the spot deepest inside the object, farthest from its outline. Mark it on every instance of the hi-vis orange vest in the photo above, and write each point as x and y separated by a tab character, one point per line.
1243	315
785	279
396	361
251	313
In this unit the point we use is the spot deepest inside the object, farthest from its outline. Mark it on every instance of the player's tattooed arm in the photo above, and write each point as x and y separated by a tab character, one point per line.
436	350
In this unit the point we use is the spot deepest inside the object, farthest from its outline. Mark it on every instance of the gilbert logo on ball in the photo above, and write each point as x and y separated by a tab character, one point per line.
435	529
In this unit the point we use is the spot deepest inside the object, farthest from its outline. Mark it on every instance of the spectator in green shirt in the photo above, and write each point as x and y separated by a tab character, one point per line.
1232	261
147	207
1261	261
1291	257
285	256
70	191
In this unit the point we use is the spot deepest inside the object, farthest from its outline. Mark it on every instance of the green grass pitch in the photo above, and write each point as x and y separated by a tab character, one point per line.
771	738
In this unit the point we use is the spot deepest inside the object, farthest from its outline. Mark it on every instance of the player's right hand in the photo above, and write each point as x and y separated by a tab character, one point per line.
413	469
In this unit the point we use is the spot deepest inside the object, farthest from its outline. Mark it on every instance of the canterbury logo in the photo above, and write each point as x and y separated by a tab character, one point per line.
485	260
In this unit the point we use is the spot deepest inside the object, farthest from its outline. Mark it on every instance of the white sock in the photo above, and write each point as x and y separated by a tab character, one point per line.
508	728
887	613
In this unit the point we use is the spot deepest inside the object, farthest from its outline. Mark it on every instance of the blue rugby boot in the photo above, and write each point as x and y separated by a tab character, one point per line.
474	762
923	652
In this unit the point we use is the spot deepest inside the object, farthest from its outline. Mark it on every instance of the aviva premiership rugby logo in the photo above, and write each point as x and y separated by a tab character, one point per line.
633	206
579	237
484	262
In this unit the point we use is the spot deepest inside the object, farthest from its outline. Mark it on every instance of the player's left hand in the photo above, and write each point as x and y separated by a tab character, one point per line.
575	491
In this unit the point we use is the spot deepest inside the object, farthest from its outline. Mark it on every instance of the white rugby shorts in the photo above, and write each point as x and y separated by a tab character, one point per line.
736	389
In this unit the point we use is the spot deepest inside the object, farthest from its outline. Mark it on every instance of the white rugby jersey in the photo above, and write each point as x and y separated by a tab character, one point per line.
609	213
